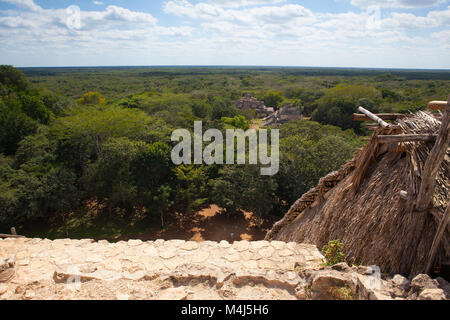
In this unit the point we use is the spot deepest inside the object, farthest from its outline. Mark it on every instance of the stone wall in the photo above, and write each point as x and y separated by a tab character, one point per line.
177	269
62	261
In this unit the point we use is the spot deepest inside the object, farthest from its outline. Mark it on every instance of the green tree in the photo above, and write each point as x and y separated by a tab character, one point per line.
54	103
152	174
152	166
162	201
238	122
273	99
21	109
190	186
35	108
80	137
222	108
243	188
338	104
337	112
36	153
353	92
92	98
309	153
200	110
307	96
14	126
110	178
28	193
390	95
13	78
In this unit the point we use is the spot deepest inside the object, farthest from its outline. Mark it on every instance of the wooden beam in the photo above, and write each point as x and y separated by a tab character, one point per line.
437	239
383	116
435	158
10	236
373	117
371	125
437	105
405	138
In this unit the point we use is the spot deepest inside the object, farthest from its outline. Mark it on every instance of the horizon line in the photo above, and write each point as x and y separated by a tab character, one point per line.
230	66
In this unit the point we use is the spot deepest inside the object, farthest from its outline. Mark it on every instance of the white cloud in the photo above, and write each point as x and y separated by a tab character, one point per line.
397	3
25	4
99	3
441	17
442	38
110	27
258	15
409	21
225	32
242	3
116	15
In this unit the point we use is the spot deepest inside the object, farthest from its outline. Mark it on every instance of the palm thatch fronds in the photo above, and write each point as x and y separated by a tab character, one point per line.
361	203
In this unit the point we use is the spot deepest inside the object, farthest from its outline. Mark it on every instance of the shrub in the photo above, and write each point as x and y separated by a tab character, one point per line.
334	253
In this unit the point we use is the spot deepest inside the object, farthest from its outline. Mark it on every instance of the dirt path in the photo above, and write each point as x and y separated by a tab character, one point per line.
213	225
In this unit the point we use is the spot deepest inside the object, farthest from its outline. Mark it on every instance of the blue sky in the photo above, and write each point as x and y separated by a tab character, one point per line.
334	33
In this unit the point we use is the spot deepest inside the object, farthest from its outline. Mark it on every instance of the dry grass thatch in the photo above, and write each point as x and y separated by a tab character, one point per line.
361	205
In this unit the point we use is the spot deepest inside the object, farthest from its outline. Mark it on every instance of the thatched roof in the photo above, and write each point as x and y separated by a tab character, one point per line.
361	205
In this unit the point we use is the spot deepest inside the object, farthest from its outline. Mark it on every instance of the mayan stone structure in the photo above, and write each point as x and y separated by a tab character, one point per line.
285	114
248	102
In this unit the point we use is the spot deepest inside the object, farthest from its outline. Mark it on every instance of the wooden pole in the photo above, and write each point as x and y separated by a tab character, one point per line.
435	158
10	236
384	116
437	105
373	117
437	239
405	138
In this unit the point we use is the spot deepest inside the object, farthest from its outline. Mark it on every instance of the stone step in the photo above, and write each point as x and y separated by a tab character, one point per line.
42	259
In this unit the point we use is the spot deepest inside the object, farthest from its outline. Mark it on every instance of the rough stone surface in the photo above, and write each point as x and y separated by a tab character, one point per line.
135	270
248	102
432	294
444	285
71	269
401	282
332	285
420	283
344	267
7	269
400	285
